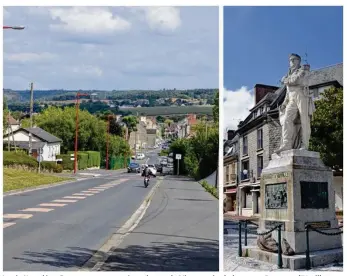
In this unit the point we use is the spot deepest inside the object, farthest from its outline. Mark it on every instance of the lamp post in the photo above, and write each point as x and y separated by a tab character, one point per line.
76	135
13	27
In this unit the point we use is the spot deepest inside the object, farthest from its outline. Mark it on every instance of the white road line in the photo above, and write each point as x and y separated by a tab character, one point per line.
52	204
43	210
75	197
64	200
7	224
22	216
82	194
94	192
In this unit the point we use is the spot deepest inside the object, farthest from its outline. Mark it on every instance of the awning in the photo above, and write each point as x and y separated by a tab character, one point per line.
231	191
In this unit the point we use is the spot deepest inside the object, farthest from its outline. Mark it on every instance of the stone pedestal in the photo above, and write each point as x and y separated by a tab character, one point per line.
296	189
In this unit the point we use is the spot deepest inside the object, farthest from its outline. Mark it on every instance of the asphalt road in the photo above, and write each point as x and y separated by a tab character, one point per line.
59	228
179	232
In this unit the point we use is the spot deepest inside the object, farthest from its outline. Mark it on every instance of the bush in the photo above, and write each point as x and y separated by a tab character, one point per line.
12	158
164	153
212	190
52	166
94	159
82	159
67	163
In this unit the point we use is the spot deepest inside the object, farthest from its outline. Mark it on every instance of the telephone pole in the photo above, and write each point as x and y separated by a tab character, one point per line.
31	115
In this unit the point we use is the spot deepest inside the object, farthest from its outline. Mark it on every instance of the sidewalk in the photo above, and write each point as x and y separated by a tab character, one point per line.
179	232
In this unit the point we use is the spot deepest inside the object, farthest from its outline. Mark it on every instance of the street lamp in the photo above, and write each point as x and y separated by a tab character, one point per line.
13	27
76	136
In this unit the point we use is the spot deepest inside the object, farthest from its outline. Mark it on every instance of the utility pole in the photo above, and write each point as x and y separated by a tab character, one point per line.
31	116
108	138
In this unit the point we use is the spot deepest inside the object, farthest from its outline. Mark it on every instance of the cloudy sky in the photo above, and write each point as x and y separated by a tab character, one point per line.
111	48
258	41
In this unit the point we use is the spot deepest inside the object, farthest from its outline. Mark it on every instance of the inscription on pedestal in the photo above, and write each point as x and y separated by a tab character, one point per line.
270	224
319	224
314	195
276	196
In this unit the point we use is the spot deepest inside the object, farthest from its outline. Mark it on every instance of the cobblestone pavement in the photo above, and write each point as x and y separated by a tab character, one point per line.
234	263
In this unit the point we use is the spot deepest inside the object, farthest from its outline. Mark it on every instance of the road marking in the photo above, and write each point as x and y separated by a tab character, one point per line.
75	197
64	200
94	192
43	210
52	204
7	224
107	185
99	189
22	216
83	194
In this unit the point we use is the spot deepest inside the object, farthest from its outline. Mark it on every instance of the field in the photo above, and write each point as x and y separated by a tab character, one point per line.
170	110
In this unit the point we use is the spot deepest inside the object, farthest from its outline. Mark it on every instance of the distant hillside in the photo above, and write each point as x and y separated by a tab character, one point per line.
63	95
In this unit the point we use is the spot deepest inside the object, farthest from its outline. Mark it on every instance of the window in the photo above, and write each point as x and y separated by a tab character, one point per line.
227	174
259	165
248	198
245	145
260	138
245	167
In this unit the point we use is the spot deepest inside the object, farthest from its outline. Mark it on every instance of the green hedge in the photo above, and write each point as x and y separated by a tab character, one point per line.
51	166
12	158
82	159
67	163
94	159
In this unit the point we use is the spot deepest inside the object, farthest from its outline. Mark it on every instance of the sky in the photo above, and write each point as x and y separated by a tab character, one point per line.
257	44
110	48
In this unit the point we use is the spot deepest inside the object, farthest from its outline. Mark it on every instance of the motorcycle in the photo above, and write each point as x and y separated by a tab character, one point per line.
146	181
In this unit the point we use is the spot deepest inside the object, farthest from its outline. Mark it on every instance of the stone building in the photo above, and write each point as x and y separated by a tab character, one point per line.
231	154
260	134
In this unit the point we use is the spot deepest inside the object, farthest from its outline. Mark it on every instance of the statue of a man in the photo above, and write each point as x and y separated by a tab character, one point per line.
298	101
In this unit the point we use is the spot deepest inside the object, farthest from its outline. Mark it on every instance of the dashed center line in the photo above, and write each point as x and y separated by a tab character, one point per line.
64	200
7	224
43	210
76	197
22	216
52	204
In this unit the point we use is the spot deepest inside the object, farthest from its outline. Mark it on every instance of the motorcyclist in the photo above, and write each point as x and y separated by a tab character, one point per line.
146	172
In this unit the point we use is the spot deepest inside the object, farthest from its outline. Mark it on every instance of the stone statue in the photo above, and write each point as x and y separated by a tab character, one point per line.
286	248
296	111
267	243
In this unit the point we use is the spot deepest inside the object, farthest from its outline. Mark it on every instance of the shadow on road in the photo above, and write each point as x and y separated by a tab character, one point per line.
188	256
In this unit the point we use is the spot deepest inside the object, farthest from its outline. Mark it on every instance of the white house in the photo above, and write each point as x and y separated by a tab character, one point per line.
13	124
41	140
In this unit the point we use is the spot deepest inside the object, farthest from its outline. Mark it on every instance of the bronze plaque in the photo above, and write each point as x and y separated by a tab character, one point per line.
276	196
270	224
319	224
314	195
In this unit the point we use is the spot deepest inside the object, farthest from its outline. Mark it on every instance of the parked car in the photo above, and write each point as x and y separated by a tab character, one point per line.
140	156
159	168
134	167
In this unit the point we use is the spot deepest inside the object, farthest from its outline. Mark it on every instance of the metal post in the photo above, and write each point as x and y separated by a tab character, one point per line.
178	167
308	261
76	135
280	261
40	160
246	232
240	240
31	116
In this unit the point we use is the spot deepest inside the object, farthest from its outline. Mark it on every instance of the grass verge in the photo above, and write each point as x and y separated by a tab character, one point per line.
19	179
212	190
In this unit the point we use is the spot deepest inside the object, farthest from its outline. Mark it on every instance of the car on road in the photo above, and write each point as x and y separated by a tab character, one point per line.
140	156
134	167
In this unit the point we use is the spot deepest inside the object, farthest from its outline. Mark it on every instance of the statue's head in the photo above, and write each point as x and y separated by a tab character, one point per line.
294	61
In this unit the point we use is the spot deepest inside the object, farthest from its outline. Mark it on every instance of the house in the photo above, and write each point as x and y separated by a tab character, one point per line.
230	163
48	144
260	134
13	124
151	137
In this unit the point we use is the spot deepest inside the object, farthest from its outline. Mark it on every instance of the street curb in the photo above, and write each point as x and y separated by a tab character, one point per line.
41	187
99	258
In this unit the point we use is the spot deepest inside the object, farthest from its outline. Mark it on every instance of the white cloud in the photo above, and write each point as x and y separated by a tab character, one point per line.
236	106
29	57
87	20
163	18
88	70
6	14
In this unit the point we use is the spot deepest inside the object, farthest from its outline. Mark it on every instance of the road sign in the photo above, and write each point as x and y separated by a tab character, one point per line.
178	156
72	159
39	158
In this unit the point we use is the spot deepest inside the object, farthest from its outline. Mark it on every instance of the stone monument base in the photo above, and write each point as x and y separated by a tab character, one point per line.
296	262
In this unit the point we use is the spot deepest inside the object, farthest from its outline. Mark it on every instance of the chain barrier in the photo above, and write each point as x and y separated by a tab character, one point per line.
307	229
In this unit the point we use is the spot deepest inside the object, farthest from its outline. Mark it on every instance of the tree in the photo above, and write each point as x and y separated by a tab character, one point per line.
116	128
327	128
215	109
131	123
